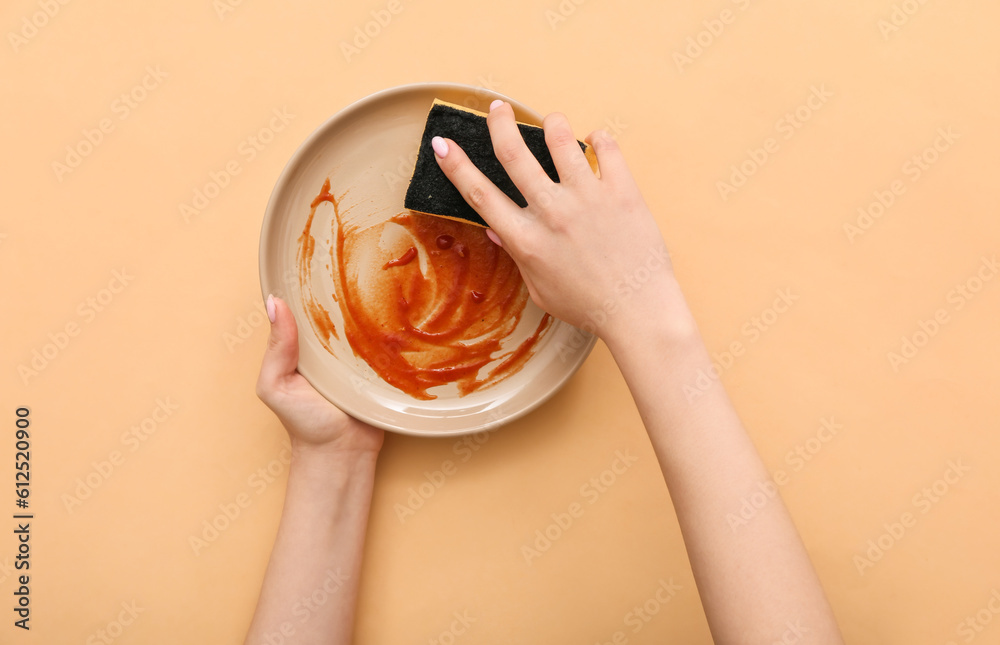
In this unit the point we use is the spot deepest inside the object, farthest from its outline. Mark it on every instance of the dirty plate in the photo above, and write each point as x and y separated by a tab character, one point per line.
367	153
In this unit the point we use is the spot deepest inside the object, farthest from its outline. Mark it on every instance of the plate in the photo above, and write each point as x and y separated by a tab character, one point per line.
367	152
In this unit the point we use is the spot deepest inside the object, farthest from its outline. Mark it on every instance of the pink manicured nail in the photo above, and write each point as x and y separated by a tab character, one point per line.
270	308
440	147
495	104
493	236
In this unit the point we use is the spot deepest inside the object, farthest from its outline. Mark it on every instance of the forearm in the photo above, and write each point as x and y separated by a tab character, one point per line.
755	580
310	588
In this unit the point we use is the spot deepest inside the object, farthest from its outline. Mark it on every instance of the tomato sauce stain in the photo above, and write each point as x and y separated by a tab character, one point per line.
420	324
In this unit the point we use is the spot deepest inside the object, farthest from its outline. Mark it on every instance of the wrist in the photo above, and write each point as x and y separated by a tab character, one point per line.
659	314
331	464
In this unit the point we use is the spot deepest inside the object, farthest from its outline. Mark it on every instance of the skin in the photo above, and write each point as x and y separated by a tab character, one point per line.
579	244
591	254
310	588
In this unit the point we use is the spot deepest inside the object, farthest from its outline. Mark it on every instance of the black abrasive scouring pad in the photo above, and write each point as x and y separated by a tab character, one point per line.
431	192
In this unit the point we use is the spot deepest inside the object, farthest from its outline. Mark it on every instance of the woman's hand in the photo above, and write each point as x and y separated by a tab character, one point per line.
327	500
588	248
591	254
312	422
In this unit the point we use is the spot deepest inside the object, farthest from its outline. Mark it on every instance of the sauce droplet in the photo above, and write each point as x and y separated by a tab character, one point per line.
406	258
478	296
445	241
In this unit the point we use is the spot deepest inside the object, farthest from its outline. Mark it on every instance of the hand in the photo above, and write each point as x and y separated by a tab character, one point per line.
312	422
588	248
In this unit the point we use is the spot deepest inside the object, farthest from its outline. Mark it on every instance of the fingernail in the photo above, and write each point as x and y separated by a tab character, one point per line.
270	308
493	236
495	104
440	147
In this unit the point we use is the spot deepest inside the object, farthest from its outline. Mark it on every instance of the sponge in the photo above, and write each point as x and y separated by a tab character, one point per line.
431	192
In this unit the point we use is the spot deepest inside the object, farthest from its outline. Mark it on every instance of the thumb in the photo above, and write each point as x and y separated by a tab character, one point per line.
282	354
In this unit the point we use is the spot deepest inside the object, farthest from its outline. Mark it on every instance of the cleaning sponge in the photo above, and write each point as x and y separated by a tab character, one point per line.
431	192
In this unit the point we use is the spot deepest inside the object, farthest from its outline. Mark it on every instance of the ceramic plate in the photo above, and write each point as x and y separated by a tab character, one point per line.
367	153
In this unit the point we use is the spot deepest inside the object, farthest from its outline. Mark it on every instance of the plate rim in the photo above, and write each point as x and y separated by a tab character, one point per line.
283	181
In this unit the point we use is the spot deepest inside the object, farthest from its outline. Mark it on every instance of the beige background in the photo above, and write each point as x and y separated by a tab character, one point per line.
171	333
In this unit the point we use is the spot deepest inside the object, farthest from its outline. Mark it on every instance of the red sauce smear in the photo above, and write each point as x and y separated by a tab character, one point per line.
318	314
406	258
419	325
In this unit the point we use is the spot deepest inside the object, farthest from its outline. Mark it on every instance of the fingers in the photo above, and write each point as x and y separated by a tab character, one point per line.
493	237
281	358
477	190
513	153
571	164
610	159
